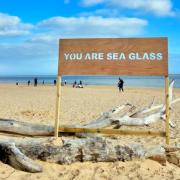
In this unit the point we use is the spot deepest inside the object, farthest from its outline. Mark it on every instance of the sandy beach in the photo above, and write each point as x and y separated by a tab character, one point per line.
80	106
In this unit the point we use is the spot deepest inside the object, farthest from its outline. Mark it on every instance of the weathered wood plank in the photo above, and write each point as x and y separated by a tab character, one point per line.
112	131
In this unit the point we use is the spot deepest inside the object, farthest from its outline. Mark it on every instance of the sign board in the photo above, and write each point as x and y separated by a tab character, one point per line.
108	56
113	56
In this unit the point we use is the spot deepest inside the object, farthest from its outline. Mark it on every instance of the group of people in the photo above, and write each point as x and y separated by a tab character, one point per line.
75	85
35	82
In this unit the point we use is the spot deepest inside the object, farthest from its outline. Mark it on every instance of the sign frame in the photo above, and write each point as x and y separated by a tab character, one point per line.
66	129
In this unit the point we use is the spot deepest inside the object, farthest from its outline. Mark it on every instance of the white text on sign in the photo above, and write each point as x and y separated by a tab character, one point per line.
113	56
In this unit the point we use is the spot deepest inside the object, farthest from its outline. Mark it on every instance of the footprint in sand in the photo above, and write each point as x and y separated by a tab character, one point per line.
29	113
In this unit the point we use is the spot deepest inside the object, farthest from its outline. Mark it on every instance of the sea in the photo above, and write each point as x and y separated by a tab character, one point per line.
129	81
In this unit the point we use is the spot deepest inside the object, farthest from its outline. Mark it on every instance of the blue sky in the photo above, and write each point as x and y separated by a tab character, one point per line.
29	30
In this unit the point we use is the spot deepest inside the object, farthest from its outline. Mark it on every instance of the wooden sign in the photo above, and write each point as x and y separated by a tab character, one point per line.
120	56
110	56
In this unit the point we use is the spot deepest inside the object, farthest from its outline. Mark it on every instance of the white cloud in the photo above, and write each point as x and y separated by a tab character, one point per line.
12	26
92	2
105	12
157	7
44	42
94	26
41	47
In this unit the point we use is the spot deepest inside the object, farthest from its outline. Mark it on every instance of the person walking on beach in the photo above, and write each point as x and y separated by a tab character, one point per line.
74	84
54	82
80	85
29	82
121	85
35	81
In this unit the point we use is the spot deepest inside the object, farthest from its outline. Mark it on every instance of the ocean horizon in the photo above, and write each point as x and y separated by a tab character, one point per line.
131	81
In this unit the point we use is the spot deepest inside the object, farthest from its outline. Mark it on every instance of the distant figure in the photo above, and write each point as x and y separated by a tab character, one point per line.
74	84
17	83
43	82
65	82
120	85
80	84
54	82
35	81
29	82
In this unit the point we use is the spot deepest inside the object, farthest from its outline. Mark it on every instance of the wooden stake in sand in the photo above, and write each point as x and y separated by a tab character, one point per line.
167	108
58	97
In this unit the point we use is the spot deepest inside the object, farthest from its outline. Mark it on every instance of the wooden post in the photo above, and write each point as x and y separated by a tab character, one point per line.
58	97
167	109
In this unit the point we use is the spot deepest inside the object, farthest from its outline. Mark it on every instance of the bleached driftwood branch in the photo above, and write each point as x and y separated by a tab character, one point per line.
131	116
148	115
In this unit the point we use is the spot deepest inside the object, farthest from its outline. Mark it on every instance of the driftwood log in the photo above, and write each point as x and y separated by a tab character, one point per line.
90	148
96	149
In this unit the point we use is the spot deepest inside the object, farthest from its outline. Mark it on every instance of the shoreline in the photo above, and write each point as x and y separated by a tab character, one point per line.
85	85
129	81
